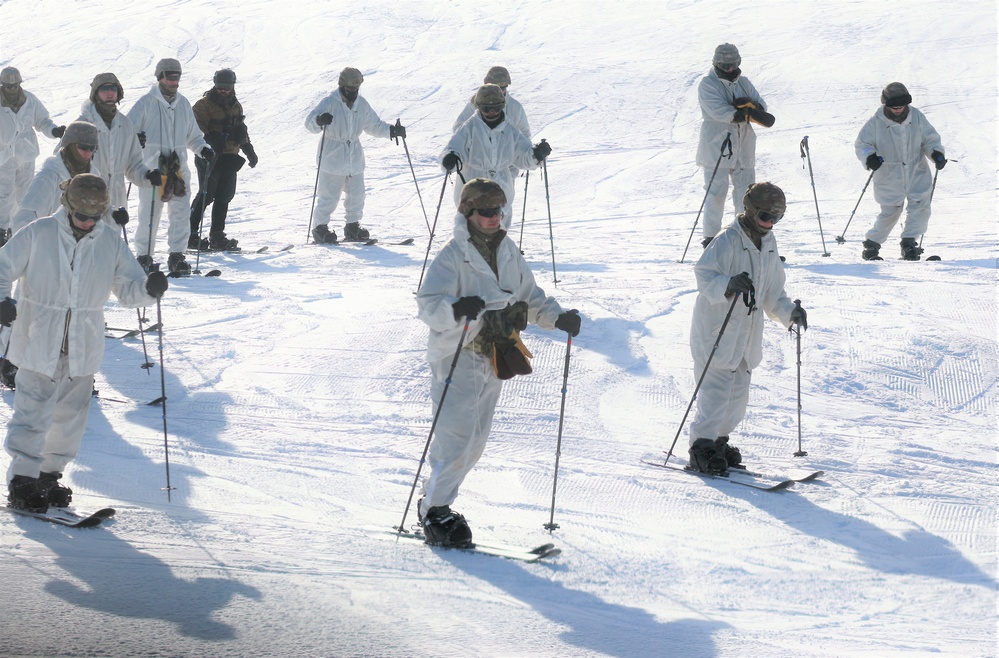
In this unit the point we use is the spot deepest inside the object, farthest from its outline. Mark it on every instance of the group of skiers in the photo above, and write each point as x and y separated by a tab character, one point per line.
479	293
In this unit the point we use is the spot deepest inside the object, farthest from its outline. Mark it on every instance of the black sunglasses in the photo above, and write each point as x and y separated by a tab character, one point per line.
492	108
81	217
489	212
87	147
172	75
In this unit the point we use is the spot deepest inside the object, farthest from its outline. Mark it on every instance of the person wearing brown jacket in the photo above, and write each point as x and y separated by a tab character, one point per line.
220	117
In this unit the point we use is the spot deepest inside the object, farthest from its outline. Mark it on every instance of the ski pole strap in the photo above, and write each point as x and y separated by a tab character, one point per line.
727	144
803	147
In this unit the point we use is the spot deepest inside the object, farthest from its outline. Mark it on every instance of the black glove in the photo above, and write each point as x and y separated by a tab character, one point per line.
569	322
215	140
799	317
120	216
451	160
239	134
874	161
740	283
207	153
542	150
156	284
938	159
741	115
8	311
744	101
468	307
142	139
324	119
58	132
154	177
397	130
251	155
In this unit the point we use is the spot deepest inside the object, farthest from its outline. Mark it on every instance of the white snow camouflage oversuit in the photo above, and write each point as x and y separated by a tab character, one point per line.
716	96
465	420
340	157
904	175
43	196
18	150
118	154
169	127
722	399
62	287
493	153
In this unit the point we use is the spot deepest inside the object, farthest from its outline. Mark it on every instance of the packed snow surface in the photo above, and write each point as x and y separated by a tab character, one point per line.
298	392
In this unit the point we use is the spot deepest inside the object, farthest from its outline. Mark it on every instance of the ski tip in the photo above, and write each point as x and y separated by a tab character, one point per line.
214	273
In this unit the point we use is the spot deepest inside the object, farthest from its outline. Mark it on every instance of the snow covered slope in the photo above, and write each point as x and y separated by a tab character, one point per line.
298	394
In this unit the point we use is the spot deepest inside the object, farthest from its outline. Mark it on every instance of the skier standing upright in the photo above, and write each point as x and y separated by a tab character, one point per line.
741	260
118	154
894	145
220	117
66	266
489	146
730	105
167	128
480	277
21	114
342	117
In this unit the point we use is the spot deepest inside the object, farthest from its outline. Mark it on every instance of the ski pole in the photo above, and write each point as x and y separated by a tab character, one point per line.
163	400
203	193
806	154
551	526
398	122
726	143
700	381
146	363
548	202
152	214
933	189
523	216
797	331
440	405
839	238
433	229
315	189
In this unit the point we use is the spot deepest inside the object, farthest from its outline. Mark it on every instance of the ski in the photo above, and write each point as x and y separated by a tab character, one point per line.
779	485
131	333
486	548
401	243
808	477
67	516
363	243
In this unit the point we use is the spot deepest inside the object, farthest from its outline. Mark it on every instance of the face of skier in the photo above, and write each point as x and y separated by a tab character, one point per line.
170	81
349	92
764	220
86	151
108	93
491	112
487	220
84	223
897	109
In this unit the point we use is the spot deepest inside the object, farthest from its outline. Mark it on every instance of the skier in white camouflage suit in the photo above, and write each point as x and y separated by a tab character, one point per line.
66	266
21	114
489	146
741	260
344	115
730	105
894	144
119	155
167	128
480	269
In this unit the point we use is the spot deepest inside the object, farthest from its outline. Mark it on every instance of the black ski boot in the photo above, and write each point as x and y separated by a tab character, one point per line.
4	236
58	495
354	233
194	243
23	493
219	242
705	242
871	249
910	250
322	234
732	454
178	265
146	262
706	458
8	373
443	527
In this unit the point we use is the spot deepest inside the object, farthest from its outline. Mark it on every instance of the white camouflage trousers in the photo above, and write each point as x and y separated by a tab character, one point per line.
917	218
328	196
463	426
178	213
14	179
721	401
50	417
714	201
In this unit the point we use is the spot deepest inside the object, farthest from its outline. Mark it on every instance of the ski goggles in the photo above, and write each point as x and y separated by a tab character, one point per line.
491	108
108	86
765	216
87	147
172	75
81	217
11	85
489	212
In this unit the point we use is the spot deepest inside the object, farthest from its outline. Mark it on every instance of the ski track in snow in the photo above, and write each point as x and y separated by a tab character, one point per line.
298	392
